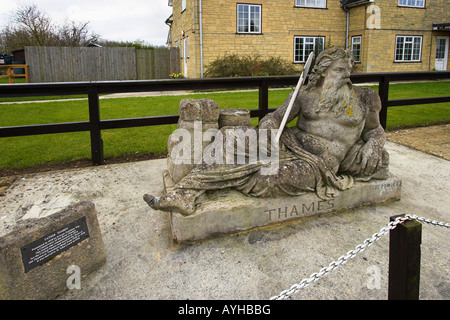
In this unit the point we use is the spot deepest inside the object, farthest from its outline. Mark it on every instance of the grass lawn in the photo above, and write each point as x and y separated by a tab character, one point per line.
33	151
16	80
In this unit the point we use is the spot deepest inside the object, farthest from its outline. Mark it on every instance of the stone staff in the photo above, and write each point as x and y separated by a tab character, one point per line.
297	88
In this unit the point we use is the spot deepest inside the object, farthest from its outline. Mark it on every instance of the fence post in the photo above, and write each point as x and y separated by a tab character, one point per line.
94	119
263	99
404	260
383	91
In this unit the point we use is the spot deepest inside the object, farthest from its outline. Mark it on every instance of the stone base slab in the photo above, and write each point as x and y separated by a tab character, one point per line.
73	234
229	211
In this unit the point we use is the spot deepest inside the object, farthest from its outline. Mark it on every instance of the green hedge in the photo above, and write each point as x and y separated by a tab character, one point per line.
241	66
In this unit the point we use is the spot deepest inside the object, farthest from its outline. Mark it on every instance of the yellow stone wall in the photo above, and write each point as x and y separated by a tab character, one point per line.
281	21
379	41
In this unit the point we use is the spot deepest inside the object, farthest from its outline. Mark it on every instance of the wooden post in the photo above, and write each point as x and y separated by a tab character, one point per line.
263	99
10	75
94	119
383	92
27	78
404	260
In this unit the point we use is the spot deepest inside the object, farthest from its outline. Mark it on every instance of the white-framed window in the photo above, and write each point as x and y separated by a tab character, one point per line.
304	45
311	3
412	3
183	5
249	18
408	48
356	48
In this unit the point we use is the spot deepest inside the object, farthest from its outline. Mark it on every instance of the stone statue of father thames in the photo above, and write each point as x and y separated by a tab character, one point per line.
337	138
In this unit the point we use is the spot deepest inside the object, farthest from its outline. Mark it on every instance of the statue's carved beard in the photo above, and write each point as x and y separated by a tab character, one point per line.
336	100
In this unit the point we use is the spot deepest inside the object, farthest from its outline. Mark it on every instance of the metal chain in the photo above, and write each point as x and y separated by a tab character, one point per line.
352	253
429	221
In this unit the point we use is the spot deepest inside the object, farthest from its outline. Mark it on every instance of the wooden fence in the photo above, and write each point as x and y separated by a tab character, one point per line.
67	64
95	125
157	63
11	72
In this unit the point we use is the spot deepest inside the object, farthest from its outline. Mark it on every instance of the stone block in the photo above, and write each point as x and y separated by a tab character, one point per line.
234	117
36	254
230	211
196	116
199	110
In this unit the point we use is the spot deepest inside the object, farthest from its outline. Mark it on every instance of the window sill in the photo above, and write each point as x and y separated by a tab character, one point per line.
395	61
250	33
299	7
410	7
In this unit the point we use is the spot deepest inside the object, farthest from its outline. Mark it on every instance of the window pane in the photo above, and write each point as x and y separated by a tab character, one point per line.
440	49
416	49
356	48
242	18
320	44
399	49
407	52
298	54
311	3
309	47
254	19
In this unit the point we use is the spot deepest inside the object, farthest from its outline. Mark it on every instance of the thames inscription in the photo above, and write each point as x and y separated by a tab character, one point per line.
299	210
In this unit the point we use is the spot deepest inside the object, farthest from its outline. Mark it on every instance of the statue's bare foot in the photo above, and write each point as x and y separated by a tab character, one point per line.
181	201
151	200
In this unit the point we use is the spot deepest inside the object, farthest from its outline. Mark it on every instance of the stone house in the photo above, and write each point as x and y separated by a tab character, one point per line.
384	35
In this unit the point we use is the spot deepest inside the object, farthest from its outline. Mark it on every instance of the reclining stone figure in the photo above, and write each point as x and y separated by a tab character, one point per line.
337	138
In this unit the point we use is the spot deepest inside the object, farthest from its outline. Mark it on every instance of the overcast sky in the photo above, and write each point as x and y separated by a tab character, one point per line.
124	20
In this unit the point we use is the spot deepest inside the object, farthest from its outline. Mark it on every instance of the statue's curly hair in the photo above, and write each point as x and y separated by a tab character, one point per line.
324	60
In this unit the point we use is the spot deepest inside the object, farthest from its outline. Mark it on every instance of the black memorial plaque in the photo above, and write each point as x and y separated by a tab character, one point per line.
43	249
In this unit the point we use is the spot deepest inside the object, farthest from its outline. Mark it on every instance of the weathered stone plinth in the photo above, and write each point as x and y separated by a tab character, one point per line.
230	211
36	255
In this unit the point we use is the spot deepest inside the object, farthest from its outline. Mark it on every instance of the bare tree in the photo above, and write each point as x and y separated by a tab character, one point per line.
74	34
30	26
36	24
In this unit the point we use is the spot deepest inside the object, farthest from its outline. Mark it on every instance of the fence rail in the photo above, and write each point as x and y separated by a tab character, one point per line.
93	89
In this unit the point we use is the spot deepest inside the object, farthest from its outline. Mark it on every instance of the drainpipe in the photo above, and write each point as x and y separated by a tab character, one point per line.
201	38
347	10
346	7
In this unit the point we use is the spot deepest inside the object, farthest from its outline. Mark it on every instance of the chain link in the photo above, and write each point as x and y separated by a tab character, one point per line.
429	221
352	253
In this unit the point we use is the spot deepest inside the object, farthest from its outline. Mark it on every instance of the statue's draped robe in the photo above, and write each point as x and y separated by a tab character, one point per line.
248	179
